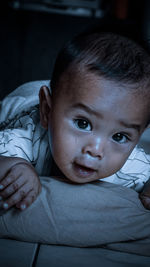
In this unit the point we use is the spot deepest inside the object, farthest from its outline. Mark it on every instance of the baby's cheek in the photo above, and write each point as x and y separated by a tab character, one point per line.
117	162
63	145
69	144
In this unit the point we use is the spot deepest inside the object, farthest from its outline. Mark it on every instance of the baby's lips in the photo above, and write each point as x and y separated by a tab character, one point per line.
86	165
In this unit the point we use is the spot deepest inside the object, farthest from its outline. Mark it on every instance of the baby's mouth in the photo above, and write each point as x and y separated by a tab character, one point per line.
83	171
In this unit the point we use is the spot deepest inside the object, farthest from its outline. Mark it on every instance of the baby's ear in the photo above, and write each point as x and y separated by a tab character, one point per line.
45	105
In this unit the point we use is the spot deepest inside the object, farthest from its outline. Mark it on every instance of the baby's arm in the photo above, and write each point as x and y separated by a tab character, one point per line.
19	183
145	195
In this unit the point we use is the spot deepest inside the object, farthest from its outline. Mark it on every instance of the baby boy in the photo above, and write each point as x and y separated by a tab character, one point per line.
90	120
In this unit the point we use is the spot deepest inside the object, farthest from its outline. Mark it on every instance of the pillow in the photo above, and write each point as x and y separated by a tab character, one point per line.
82	215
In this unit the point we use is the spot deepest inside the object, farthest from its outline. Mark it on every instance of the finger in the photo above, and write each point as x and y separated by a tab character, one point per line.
27	201
12	188
8	179
16	197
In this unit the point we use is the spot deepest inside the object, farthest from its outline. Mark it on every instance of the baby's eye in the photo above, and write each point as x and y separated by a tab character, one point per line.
83	124
120	138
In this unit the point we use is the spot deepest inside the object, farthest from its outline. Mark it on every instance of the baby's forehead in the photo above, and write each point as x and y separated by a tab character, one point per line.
78	83
77	77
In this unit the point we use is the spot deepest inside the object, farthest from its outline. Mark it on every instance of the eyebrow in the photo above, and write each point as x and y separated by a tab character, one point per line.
89	110
137	127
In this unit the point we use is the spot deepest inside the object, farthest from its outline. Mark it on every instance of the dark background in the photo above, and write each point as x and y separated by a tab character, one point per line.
31	39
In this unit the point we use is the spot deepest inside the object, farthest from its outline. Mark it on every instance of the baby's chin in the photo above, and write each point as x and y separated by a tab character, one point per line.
83	178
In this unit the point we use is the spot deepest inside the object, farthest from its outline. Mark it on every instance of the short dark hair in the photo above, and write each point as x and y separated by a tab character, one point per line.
108	54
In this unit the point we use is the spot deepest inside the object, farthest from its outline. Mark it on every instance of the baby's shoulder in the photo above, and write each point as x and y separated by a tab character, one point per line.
138	164
138	156
136	171
22	100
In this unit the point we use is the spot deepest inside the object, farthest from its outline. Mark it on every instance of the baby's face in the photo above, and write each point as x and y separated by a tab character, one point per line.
94	126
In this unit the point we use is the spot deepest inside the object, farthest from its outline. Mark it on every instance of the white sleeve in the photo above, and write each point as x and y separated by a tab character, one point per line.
16	138
21	134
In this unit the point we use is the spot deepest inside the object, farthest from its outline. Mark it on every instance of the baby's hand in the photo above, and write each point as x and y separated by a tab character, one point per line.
145	195
20	186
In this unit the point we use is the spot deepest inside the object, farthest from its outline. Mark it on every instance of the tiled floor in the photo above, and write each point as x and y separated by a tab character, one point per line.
22	254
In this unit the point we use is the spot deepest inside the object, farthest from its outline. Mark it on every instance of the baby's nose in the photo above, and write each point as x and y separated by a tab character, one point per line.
94	147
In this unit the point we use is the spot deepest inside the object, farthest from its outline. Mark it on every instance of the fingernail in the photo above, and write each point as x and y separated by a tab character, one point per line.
1	198
5	206
1	186
23	206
